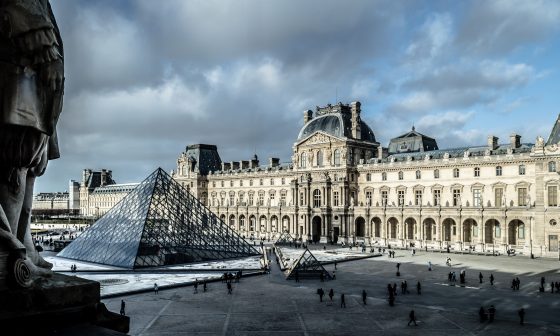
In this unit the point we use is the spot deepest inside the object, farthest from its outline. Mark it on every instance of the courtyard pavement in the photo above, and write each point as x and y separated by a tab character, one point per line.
269	304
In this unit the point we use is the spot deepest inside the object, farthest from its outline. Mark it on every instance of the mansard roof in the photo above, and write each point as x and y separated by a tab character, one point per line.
412	141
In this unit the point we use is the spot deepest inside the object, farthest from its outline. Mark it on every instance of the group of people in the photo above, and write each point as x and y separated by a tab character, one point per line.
515	282
228	276
73	268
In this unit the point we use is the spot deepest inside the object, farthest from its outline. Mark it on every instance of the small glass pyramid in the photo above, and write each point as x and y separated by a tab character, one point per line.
158	223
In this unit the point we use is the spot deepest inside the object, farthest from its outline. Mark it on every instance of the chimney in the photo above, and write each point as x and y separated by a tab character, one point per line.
274	162
515	140
234	165
380	152
356	122
85	176
307	116
492	142
226	166
103	177
255	162
244	164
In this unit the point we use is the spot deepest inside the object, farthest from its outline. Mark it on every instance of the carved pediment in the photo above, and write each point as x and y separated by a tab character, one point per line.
318	138
498	185
477	186
437	186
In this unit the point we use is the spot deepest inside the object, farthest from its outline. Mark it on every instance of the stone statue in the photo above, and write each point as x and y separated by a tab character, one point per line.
31	90
540	142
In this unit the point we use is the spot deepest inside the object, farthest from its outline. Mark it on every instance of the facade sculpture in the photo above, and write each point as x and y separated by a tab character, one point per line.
31	90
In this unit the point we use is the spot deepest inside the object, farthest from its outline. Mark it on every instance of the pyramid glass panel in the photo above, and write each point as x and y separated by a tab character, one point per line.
285	239
159	223
307	266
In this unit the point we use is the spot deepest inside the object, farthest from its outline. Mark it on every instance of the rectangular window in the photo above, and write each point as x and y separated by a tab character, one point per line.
283	198
231	183
272	196
251	199
477	197
456	197
553	243
522	196
437	197
241	183
222	184
231	200
521	169
498	197
335	198
260	181
521	231
261	199
498	232
368	197
384	197
353	197
271	181
400	194
283	181
301	198
552	196
418	197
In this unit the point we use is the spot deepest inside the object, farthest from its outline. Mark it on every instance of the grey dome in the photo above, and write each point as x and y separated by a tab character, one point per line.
335	124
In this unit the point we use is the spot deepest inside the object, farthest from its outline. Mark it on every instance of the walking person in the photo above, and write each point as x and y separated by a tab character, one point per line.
321	292
418	288
517	283
342	301
412	317
482	314
156	288
429	265
480	277
204	286
195	286
122	307
491	279
491	313
521	314
331	294
364	296
229	288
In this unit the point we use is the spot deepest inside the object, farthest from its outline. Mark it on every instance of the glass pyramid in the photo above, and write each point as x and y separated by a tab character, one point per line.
285	239
307	266
158	223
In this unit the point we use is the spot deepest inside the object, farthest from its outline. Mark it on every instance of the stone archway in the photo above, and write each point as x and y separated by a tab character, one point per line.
286	224
392	228
273	223
469	230
410	225
360	227
429	226
316	229
490	228
448	225
516	229
376	227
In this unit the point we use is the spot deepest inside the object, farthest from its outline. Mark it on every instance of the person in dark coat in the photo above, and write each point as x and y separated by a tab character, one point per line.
521	314
412	317
364	296
491	313
321	292
482	314
331	294
480	277
491	279
342	301
418	288
122	307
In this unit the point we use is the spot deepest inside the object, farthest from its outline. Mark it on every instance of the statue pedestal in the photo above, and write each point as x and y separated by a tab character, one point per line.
56	303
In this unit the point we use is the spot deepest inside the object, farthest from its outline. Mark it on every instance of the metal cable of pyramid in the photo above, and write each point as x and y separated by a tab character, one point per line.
158	223
307	266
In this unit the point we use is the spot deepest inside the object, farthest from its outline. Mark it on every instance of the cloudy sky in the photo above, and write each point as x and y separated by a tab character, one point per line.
145	78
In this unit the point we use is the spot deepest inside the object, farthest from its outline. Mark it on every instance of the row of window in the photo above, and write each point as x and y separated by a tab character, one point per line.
261	183
456	173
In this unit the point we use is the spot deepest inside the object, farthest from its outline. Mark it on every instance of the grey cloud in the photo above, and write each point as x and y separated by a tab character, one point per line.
498	27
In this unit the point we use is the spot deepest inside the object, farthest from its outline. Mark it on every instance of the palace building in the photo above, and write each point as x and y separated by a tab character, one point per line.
343	185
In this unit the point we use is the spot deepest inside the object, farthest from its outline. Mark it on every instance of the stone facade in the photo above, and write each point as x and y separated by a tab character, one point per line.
342	186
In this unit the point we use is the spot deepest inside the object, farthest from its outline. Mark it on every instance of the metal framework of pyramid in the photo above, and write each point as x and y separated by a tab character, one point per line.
285	239
307	266
158	223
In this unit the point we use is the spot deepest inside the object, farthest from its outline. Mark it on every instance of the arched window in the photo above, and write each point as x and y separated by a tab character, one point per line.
316	198
476	171
303	161
320	158
552	167
368	177
232	221
401	175
242	223
418	175
498	170
384	176
456	172
337	157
